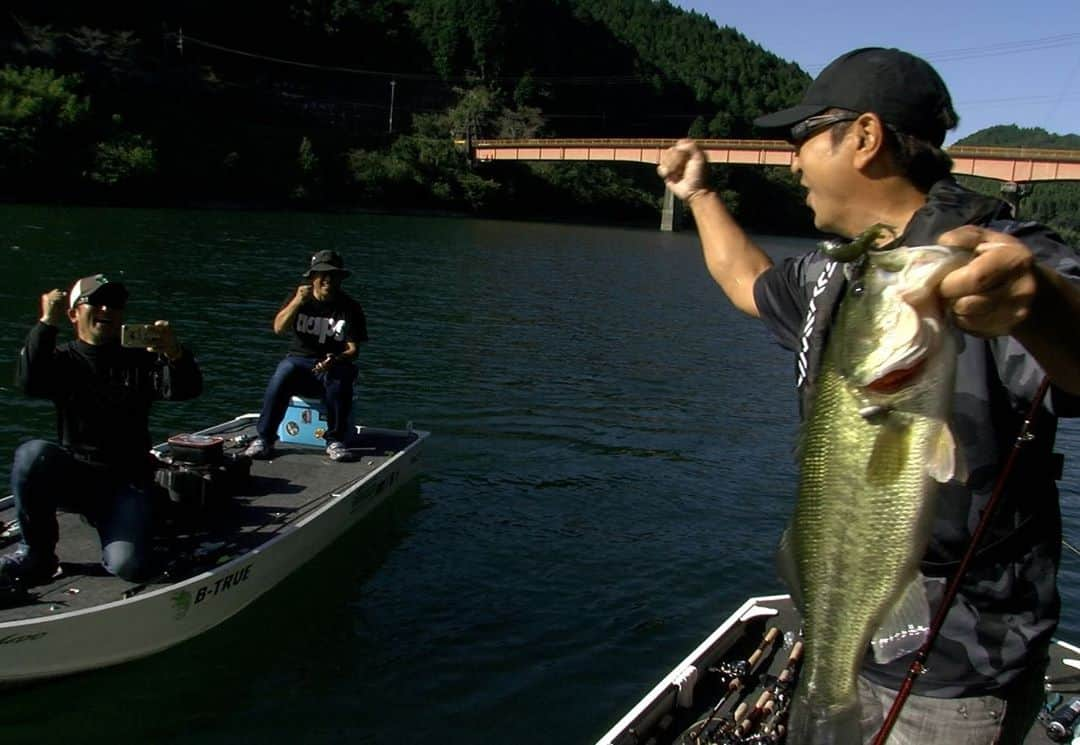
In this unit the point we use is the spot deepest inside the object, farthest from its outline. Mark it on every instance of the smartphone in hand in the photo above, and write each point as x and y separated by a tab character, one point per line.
139	335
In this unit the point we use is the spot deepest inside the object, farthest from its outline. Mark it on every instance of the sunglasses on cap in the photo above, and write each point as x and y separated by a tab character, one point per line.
810	126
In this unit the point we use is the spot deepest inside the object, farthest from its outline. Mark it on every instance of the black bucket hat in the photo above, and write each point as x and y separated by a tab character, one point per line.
327	261
902	89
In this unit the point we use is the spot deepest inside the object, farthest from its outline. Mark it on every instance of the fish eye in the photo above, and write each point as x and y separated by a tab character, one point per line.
858	289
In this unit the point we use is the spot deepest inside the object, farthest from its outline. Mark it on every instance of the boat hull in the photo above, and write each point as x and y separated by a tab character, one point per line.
160	617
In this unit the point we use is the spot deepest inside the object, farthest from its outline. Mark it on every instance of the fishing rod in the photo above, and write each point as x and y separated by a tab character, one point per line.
1066	683
918	665
738	673
769	713
747	718
776	721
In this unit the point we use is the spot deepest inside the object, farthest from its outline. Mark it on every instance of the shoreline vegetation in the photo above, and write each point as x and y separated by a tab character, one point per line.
135	104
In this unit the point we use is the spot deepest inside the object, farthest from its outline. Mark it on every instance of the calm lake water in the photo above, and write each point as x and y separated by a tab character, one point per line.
610	468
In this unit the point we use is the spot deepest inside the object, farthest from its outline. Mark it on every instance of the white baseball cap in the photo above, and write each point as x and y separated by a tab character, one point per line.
115	296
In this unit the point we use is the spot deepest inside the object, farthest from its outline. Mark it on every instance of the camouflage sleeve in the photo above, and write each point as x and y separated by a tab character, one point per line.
1016	368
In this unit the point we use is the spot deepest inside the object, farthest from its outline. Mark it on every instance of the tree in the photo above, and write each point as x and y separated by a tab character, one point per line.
309	178
129	159
40	115
522	123
471	117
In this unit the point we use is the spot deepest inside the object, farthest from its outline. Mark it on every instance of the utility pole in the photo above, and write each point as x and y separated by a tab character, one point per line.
1012	192
390	130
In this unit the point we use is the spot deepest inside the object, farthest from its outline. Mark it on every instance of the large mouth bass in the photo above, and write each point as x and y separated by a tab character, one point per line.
875	440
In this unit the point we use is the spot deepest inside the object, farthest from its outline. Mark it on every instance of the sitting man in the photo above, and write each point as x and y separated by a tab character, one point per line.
328	327
102	467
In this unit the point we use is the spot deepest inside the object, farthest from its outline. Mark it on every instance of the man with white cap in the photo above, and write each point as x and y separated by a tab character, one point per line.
101	467
867	139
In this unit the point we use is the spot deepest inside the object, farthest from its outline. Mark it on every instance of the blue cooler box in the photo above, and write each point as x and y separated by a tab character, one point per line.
305	422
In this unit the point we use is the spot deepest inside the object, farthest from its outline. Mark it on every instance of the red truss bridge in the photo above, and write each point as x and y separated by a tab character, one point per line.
1014	166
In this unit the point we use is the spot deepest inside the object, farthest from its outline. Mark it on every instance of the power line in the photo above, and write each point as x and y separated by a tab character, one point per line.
992	50
567	79
1018	99
953	55
1064	90
296	63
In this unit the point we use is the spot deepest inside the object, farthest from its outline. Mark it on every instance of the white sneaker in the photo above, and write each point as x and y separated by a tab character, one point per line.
259	450
337	451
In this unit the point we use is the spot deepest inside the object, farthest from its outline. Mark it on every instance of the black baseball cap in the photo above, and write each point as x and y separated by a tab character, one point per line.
902	89
327	261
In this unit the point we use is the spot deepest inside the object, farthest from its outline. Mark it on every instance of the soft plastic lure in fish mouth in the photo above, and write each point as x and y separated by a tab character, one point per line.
863	242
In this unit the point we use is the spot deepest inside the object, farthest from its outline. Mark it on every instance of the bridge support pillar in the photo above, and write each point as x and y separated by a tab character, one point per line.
1012	192
669	213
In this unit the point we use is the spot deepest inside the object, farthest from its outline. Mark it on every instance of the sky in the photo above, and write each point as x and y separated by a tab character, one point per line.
1004	62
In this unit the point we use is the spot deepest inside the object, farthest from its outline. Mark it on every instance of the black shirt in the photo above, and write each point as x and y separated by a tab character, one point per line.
103	393
324	327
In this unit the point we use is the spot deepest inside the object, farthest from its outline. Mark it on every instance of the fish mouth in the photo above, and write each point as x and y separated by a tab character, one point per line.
894	380
913	339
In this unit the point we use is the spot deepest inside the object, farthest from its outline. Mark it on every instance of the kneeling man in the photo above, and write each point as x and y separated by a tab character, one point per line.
102	467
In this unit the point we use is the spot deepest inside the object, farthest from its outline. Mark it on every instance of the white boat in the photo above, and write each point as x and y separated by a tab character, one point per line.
689	705
215	560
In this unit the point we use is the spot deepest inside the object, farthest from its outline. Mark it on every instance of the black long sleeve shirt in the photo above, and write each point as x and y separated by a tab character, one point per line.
103	394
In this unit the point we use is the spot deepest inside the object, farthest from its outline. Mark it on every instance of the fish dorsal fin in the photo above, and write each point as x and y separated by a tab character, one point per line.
943	461
905	626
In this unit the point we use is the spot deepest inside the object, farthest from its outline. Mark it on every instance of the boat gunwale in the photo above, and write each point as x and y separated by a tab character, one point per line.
649	703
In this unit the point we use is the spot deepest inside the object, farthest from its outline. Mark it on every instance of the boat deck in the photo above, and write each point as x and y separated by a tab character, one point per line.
278	494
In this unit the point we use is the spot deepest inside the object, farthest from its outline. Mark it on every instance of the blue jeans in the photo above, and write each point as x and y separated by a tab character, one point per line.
294	377
45	477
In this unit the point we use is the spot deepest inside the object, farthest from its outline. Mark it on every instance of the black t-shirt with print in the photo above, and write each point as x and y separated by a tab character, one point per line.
324	327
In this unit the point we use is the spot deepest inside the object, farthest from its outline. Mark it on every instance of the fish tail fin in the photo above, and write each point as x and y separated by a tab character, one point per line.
906	626
817	725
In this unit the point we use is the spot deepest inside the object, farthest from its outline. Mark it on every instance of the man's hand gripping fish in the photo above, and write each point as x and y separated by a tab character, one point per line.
874	443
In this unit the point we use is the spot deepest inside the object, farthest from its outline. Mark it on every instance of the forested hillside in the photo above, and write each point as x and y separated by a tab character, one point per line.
358	103
347	103
1055	203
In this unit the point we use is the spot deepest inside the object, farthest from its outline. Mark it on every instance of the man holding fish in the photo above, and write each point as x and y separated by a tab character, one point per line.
920	348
